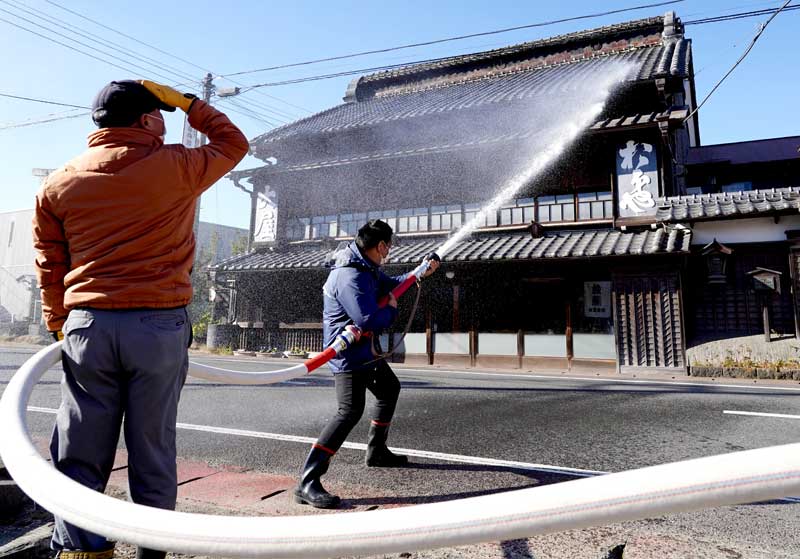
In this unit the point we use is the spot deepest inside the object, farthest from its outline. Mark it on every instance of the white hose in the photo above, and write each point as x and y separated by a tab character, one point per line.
227	376
750	476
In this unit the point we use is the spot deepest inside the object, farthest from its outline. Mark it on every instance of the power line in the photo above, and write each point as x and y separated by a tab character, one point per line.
746	52
74	41
264	107
44	121
432	60
96	38
456	38
250	115
42	101
742	15
266	118
160	50
66	45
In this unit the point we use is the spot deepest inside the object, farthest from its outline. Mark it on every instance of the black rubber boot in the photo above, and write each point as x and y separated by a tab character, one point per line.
145	553
310	491
378	454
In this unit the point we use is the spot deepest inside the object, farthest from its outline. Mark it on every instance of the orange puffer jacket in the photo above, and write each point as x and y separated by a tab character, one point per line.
113	228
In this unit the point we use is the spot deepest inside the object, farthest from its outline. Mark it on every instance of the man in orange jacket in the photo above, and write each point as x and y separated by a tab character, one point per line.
115	248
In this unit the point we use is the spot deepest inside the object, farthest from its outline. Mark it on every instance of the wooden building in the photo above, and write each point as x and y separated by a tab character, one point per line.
585	266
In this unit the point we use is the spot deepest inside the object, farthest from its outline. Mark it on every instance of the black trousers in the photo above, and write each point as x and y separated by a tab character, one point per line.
351	390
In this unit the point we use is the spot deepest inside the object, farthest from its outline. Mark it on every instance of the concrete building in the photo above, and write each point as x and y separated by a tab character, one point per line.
20	305
19	300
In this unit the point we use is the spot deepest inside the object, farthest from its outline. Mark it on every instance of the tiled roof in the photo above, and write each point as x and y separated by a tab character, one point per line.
639	120
728	204
490	247
559	43
479	141
503	89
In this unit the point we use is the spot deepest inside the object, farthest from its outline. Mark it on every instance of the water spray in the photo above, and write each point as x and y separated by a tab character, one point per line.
759	475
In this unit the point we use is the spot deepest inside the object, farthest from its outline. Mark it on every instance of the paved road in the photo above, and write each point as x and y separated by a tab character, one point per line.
592	423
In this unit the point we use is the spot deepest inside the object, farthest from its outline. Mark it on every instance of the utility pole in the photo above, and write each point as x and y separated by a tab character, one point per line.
208	89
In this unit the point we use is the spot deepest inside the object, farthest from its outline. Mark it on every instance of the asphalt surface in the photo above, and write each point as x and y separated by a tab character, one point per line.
599	423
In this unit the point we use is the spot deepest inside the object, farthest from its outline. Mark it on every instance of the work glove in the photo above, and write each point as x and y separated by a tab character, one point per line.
169	96
58	335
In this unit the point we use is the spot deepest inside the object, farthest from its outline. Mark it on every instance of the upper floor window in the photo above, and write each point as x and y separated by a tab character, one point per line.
595	205
556	208
445	218
350	223
583	206
517	212
488	219
298	228
412	220
562	207
389	216
11	234
324	226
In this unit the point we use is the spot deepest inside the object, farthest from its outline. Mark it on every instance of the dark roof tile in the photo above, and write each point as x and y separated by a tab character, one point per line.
505	246
747	203
501	89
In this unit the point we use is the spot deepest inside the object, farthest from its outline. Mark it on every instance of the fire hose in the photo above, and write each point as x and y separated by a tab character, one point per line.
741	477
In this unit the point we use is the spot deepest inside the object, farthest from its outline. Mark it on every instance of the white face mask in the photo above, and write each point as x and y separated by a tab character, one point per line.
384	257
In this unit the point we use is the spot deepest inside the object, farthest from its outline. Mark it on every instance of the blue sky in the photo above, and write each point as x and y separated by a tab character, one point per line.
759	100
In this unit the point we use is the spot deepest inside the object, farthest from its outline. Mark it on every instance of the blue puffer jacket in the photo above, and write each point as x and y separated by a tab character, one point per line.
350	296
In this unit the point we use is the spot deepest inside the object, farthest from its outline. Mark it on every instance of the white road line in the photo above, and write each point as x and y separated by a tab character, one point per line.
360	446
597	379
761	414
436	372
410	452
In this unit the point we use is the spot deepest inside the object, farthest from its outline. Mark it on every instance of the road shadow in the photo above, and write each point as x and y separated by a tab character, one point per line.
423	499
537	479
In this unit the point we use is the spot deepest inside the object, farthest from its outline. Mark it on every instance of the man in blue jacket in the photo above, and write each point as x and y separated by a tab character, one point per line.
350	296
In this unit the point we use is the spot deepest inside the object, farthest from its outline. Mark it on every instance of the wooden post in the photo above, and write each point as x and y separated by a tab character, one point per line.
794	254
428	335
765	316
456	325
570	352
473	346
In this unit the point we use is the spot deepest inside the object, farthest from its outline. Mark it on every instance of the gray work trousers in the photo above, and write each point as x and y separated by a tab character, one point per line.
120	366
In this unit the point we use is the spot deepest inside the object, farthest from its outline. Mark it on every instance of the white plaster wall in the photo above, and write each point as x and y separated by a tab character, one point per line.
545	345
762	229
414	342
451	343
594	346
497	344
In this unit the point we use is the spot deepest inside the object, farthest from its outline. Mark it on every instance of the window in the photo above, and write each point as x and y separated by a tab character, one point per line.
298	228
11	234
487	220
349	224
412	220
389	216
561	207
445	218
595	205
556	208
324	226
